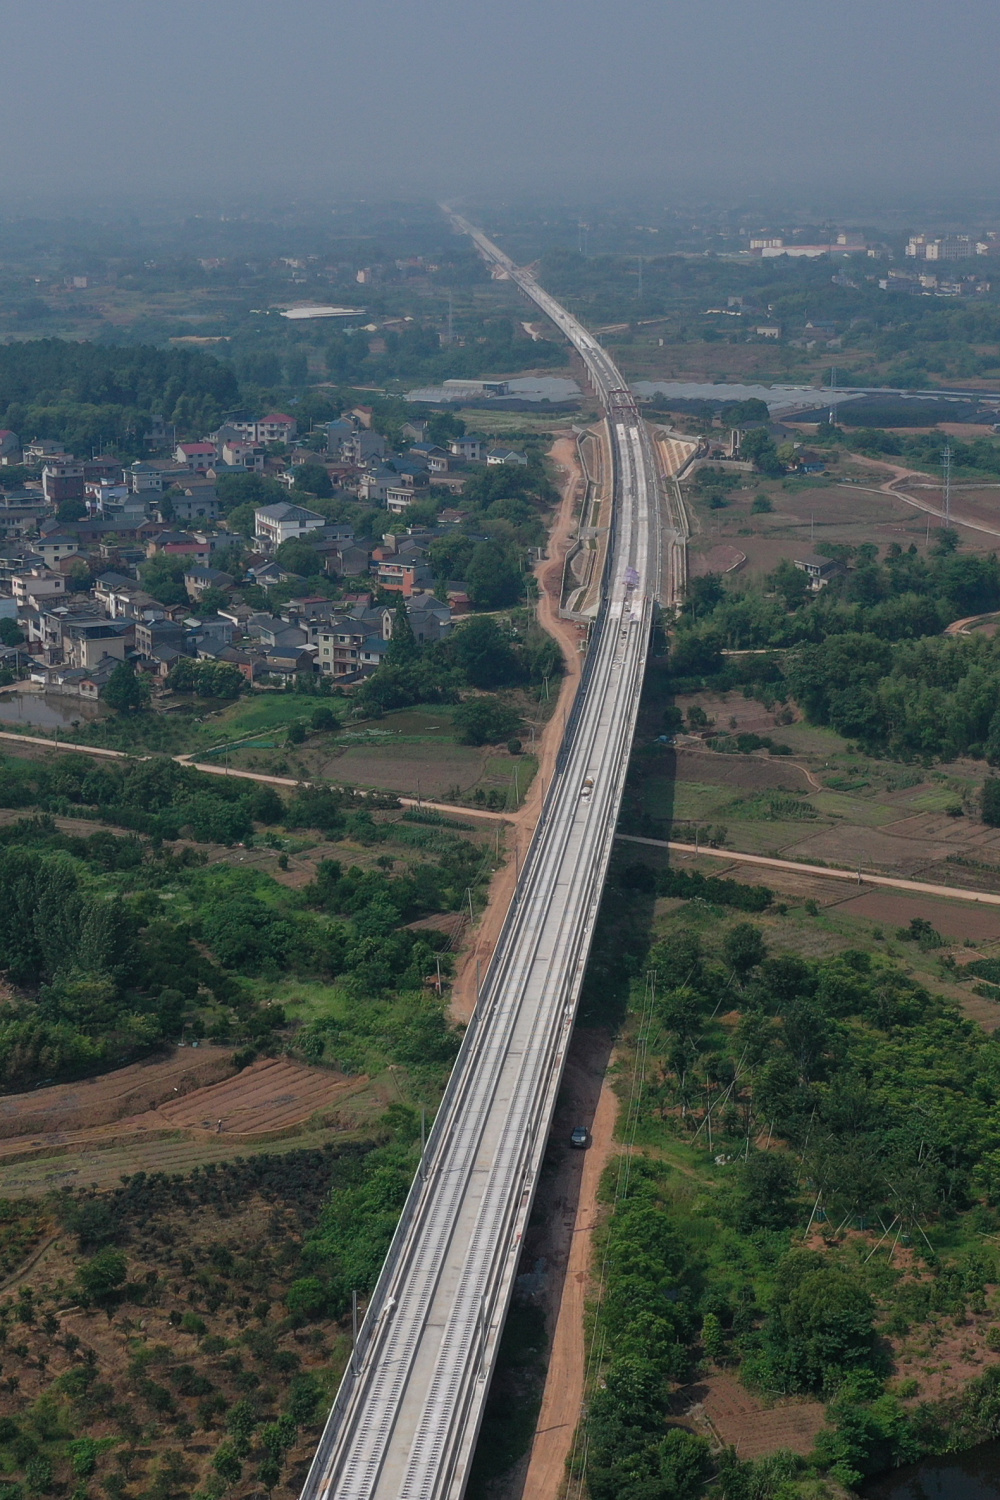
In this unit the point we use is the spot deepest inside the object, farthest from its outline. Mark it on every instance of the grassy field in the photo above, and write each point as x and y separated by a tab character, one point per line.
413	751
829	805
260	712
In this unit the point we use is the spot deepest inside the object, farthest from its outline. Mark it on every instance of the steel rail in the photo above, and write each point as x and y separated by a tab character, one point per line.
406	1417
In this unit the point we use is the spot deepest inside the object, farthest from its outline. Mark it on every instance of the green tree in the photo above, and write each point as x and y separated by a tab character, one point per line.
493	579
990	801
324	718
126	692
242	520
443	426
211	600
298	557
163	576
764	1193
314	479
821	1324
757	445
10	633
71	510
226	1463
790	584
482	651
484	721
309	1297
403	648
743	949
248	490
103	1275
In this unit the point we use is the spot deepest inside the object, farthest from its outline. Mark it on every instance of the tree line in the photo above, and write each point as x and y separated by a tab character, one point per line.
839	1095
865	655
105	969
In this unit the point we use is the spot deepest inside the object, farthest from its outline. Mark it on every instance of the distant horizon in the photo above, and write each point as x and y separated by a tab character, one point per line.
955	210
884	98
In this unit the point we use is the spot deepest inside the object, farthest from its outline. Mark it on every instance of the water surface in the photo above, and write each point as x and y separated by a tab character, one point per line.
46	710
974	1475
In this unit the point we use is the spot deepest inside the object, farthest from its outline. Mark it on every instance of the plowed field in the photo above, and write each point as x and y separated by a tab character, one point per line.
183	1126
737	1418
112	1096
270	1095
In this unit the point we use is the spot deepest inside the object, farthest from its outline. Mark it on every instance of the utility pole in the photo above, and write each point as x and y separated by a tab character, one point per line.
451	325
946	466
833	387
638	294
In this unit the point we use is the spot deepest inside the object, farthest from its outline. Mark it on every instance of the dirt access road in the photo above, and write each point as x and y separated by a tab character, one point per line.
829	872
549	573
901	476
571	1217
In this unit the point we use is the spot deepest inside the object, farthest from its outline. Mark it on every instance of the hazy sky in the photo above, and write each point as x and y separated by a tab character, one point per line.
193	96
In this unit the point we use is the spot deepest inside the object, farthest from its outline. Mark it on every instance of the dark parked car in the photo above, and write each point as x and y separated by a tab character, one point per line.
580	1138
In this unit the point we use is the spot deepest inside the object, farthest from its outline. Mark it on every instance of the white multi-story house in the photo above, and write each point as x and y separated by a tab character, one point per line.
283	522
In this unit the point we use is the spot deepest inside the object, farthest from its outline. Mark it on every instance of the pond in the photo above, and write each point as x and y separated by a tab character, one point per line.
974	1475
46	711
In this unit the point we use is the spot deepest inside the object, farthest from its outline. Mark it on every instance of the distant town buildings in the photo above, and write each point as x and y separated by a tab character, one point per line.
946	247
847	242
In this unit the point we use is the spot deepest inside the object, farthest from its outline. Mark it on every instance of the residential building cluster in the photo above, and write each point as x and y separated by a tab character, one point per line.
934	283
170	507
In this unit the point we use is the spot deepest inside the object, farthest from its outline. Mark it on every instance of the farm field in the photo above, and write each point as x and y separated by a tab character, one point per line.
642	357
102	1167
221	1249
724	1410
101	1100
412	751
824	802
76	1137
810	512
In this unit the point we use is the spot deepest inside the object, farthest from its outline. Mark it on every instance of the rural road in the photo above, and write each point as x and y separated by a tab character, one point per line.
290	781
563	1395
549	574
902	476
829	872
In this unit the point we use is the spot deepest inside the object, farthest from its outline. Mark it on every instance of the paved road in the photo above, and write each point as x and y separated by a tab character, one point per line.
406	1418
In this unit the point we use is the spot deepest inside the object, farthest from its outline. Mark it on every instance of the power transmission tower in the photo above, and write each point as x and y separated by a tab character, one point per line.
946	466
833	387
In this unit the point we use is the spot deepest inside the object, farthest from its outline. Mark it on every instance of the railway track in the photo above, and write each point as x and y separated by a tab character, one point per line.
405	1420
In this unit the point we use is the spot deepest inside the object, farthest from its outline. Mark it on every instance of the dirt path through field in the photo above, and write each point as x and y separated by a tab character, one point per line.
901	476
829	872
549	574
565	1378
